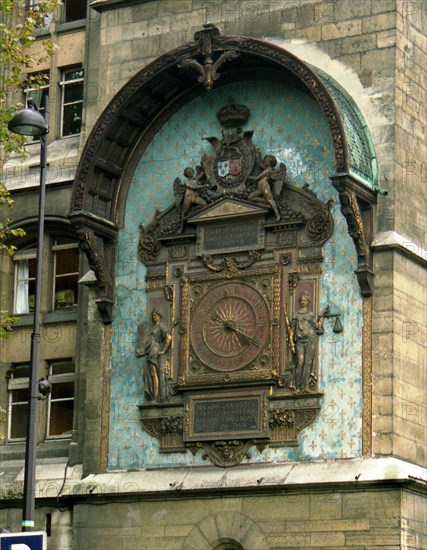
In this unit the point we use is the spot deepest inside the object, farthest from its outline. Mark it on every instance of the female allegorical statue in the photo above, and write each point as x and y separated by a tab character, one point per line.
304	329
155	340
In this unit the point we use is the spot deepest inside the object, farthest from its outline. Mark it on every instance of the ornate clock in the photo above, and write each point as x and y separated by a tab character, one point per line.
227	273
230	326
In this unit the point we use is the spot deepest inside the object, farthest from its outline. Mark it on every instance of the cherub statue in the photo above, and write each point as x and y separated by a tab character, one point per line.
187	192
265	180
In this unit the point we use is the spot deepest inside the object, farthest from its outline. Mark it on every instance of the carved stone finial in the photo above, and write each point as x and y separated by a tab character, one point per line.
207	37
208	71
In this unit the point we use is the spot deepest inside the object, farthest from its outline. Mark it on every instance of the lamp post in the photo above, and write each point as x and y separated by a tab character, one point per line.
30	122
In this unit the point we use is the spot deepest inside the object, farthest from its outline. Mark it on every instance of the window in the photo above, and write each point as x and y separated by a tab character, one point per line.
33	6
63	286
60	402
18	387
61	399
37	89
25	274
66	273
75	10
72	101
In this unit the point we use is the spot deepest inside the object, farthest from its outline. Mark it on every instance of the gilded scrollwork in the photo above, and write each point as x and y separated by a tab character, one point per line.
168	291
178	252
319	227
224	453
172	424
148	245
293	278
281	417
230	266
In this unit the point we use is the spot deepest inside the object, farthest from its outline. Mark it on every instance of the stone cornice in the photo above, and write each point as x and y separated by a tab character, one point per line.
391	240
319	475
103	5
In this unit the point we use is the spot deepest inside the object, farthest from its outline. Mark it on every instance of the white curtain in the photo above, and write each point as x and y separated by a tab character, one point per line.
21	300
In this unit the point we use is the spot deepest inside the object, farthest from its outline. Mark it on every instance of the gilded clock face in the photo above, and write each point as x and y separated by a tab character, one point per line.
230	326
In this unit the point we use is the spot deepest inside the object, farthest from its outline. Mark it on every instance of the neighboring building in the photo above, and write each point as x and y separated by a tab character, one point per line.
237	351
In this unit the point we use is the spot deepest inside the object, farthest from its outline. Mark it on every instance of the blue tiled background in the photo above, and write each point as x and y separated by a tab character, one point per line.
290	125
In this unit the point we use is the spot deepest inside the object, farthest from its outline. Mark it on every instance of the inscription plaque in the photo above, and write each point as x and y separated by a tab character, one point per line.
225	417
231	237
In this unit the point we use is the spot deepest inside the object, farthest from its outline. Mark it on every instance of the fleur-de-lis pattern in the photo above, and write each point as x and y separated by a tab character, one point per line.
290	125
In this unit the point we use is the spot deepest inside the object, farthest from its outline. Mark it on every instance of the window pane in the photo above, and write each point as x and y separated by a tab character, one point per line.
62	368
32	265
25	286
19	396
72	121
73	92
73	74
61	418
65	240
62	390
66	291
40	98
18	421
67	261
75	10
66	277
21	371
33	5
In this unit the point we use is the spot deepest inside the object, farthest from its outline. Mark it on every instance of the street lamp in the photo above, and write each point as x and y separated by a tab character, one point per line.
30	122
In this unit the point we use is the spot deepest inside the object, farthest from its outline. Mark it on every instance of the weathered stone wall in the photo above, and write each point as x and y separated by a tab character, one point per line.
333	520
411	121
60	535
413	521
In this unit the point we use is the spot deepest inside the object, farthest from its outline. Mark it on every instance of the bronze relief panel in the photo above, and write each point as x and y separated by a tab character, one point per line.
233	270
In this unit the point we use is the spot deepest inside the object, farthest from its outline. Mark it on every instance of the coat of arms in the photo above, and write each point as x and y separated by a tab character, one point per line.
232	161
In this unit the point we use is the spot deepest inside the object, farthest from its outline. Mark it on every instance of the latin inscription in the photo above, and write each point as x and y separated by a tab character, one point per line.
226	416
231	236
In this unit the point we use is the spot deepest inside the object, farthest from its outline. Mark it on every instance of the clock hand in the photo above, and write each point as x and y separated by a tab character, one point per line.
245	336
229	325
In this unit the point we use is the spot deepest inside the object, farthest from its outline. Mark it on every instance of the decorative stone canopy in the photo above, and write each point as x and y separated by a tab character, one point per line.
155	93
160	89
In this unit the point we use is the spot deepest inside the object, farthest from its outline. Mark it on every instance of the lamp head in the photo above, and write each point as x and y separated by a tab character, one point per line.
44	387
28	122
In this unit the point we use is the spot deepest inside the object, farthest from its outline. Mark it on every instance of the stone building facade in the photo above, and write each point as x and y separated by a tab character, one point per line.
335	92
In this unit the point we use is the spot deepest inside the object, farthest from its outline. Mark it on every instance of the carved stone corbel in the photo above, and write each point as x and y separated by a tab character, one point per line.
98	264
224	454
357	211
286	424
167	430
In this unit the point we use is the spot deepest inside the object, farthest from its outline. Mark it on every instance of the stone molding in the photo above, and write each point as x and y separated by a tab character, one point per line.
319	474
392	240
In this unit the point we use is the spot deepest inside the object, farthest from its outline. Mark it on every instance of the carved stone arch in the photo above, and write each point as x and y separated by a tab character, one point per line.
154	94
216	530
54	226
161	88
